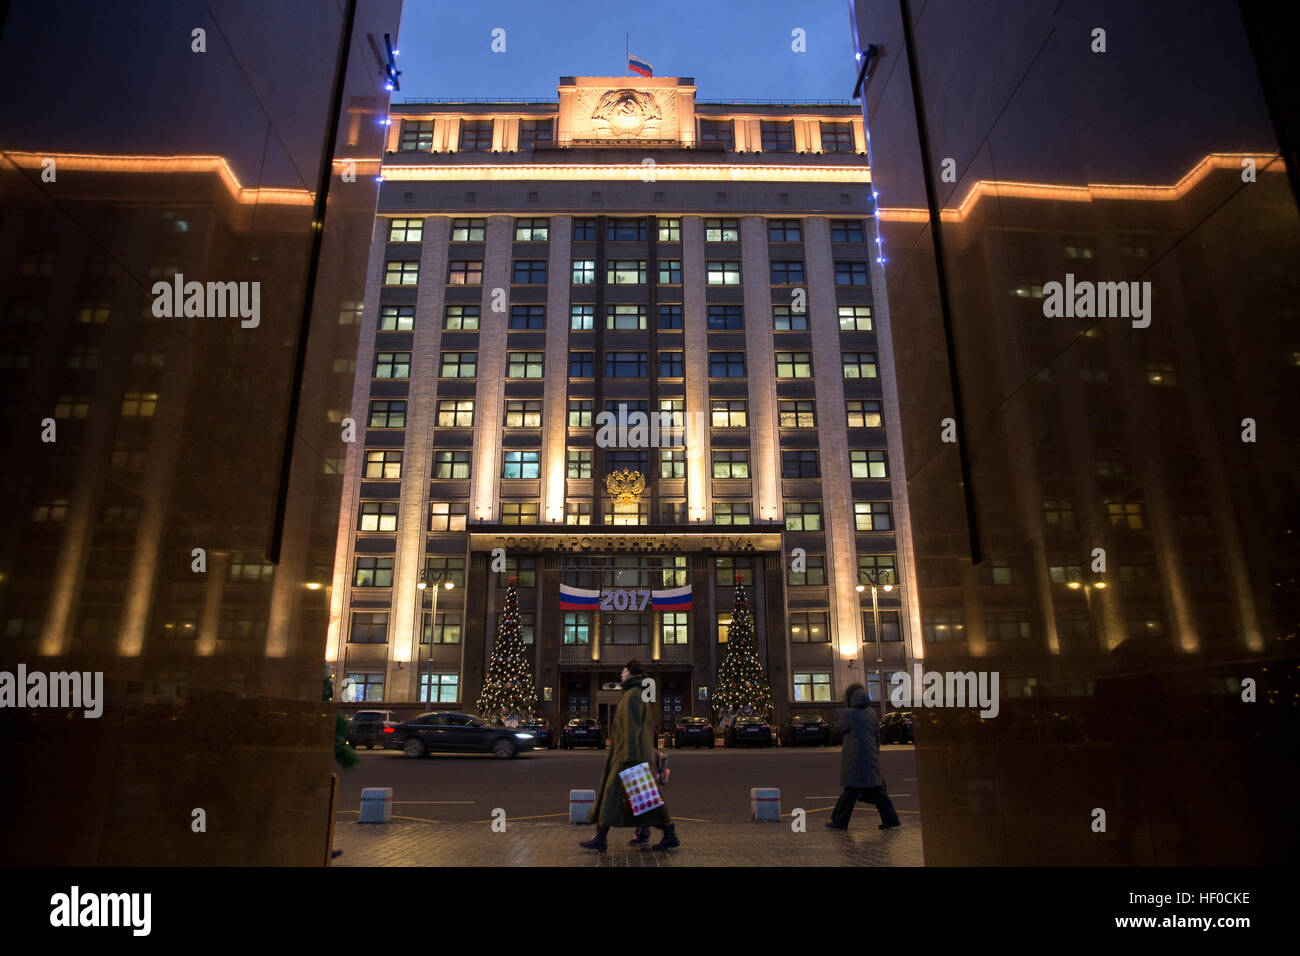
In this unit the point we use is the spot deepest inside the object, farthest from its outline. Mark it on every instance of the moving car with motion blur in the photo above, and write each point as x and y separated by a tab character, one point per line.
745	731
810	730
441	732
540	728
369	728
582	732
694	732
896	728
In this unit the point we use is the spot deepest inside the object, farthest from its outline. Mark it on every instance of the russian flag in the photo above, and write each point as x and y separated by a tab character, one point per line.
578	599
639	66
672	599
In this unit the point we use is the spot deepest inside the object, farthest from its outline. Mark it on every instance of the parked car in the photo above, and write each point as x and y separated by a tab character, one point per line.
441	732
810	729
582	732
694	732
896	727
748	730
540	728
368	728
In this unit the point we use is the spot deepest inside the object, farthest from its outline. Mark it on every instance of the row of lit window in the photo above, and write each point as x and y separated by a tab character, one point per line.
623	318
625	230
406	272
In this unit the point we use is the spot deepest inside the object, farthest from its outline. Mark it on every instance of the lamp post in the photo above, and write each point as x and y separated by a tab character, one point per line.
874	577
427	580
1074	584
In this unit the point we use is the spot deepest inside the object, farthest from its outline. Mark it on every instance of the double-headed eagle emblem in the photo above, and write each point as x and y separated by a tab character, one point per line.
625	486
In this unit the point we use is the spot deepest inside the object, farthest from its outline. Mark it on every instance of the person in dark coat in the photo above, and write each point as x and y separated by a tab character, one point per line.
631	741
860	762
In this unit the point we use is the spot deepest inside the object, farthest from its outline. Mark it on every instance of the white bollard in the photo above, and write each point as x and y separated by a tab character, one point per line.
580	802
765	804
376	805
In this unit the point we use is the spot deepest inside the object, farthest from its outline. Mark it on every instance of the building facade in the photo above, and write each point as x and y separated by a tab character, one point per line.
544	272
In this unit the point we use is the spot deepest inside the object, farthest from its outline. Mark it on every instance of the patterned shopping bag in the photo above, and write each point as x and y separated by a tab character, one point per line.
639	789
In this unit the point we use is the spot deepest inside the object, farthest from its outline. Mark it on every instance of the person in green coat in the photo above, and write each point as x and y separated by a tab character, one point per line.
631	741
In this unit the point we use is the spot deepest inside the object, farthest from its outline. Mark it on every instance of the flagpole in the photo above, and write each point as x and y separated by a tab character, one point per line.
627	53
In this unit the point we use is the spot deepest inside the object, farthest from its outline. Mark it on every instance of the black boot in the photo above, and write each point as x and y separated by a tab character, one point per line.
640	838
670	840
597	842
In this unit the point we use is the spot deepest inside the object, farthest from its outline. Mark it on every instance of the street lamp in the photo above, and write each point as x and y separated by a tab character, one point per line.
874	576
429	579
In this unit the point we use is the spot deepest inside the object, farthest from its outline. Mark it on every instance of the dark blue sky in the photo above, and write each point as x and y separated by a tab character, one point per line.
735	49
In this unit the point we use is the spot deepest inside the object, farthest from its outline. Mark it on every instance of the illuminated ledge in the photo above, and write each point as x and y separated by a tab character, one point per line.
1089	193
663	172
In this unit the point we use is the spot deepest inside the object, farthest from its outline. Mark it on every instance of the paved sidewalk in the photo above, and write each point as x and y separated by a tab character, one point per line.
555	843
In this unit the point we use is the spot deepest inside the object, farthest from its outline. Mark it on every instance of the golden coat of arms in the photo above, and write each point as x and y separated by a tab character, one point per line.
625	486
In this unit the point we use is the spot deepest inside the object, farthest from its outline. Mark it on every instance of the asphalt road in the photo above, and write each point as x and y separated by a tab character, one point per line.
705	785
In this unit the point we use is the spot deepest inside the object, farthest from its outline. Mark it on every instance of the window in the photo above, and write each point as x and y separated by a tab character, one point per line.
584	230
800	464
448	515
577	511
1058	514
672	627
458	365
670	316
1126	516
864	413
809	627
476	134
520	464
629	628
731	512
851	273
405	230
672	365
891	629
777	137
453	569
248	567
814	573
582	318
525	569
672	414
786	320
725	318
855	318
723	626
721	132
726	364
383	464
467	230
534	133
455	413
579	412
797	414
465	272
392	365
837	137
378	516
783	230
396	318
439	688
532	230
944	626
810	687
859	364
134	405
670	271
579	463
388	414
725	570
670	230
787	272
525	413
721	230
78	406
793	365
519	512
576	627
872	516
584	271
1005	626
626	365
672	463
529	272
626	272
373	572
625	318
369	628
357	687
463	318
722	273
846	230
416	135
528	317
731	464
868	464
444	629
451	464
729	413
625	230
401	272
803	516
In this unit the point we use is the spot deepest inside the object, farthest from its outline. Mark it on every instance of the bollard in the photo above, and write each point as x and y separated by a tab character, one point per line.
376	805
765	804
580	802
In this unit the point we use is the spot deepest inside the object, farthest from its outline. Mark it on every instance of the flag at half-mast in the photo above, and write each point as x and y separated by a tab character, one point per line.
639	66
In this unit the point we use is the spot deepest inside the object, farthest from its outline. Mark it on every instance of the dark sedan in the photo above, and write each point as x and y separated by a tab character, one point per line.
456	733
540	728
370	728
896	727
810	729
694	732
749	730
582	732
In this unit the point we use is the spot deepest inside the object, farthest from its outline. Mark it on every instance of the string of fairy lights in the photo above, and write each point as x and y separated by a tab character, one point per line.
742	686
508	687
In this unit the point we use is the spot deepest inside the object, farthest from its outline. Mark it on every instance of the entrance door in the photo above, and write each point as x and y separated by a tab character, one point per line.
606	718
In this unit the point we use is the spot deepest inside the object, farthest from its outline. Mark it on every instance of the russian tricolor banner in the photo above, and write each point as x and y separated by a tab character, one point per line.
672	599
578	599
639	66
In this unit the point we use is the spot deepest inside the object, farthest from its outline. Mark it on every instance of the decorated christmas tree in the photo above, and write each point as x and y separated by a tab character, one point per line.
742	686
508	689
